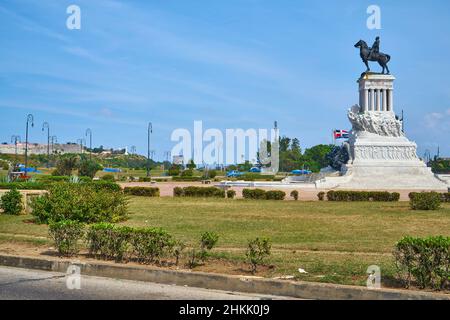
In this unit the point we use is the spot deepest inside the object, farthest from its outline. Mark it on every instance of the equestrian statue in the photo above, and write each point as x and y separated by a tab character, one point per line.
373	54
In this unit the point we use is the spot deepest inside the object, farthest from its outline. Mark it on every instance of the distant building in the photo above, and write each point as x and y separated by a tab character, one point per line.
37	148
178	160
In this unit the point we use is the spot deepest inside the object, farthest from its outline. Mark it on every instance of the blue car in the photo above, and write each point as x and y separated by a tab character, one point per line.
301	172
255	170
233	174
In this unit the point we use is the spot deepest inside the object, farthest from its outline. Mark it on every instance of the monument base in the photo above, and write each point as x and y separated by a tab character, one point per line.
383	163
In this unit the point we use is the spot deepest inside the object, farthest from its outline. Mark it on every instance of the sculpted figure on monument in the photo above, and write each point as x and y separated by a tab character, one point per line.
383	124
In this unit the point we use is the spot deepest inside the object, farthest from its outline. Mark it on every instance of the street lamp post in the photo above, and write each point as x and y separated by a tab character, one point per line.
45	125
149	132
80	141
53	140
89	133
30	120
15	139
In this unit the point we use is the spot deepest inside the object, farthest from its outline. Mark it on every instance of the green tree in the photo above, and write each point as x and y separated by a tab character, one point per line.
88	168
65	165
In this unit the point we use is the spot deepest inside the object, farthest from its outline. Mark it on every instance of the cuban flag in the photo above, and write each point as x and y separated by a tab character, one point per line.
341	134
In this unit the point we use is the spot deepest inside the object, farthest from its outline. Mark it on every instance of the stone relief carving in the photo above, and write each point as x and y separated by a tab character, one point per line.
381	123
385	152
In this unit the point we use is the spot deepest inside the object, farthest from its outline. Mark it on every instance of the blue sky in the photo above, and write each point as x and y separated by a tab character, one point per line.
232	64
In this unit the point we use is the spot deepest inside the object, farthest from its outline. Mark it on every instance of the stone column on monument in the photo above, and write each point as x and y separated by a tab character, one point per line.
366	100
391	100
384	100
372	99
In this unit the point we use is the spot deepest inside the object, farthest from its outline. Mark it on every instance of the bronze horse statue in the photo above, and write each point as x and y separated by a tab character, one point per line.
367	55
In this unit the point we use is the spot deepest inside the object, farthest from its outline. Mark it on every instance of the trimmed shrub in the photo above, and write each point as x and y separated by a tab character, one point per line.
178	192
294	194
108	177
257	250
80	202
66	234
105	185
23	185
255	194
321	196
108	241
193	191
275	195
187	179
231	194
151	244
11	202
446	197
424	261
424	200
251	176
142	191
378	196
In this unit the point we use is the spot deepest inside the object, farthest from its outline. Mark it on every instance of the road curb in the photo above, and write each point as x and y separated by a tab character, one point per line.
295	289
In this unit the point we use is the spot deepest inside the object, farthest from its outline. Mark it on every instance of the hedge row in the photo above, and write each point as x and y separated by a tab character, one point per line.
142	191
424	261
24	185
41	185
361	196
426	200
193	191
259	194
187	179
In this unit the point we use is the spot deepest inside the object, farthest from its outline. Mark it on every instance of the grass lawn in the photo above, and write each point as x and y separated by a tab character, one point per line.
334	242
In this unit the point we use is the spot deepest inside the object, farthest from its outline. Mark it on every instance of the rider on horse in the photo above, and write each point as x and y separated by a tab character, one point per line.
375	49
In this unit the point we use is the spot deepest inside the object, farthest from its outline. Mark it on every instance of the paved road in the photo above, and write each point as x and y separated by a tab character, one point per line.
31	284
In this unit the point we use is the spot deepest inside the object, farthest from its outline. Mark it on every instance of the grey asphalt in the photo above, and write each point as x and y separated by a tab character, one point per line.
24	284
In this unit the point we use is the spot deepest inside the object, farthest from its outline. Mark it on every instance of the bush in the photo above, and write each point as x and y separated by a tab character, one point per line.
294	194
275	195
151	244
424	261
23	185
257	250
321	196
187	179
108	177
362	196
178	192
251	176
208	241
231	194
66	234
80	202
193	191
108	241
105	185
424	200
187	173
446	197
88	168
255	194
11	202
142	191
174	171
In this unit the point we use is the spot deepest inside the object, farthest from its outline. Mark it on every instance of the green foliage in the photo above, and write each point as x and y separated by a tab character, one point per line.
109	241
108	177
425	200
187	173
440	165
80	202
174	170
257	250
104	185
178	192
151	244
193	191
321	196
11	202
294	194
252	176
187	179
191	165
231	194
65	165
208	241
88	168
255	194
142	191
23	185
379	196
66	234
275	195
426	261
